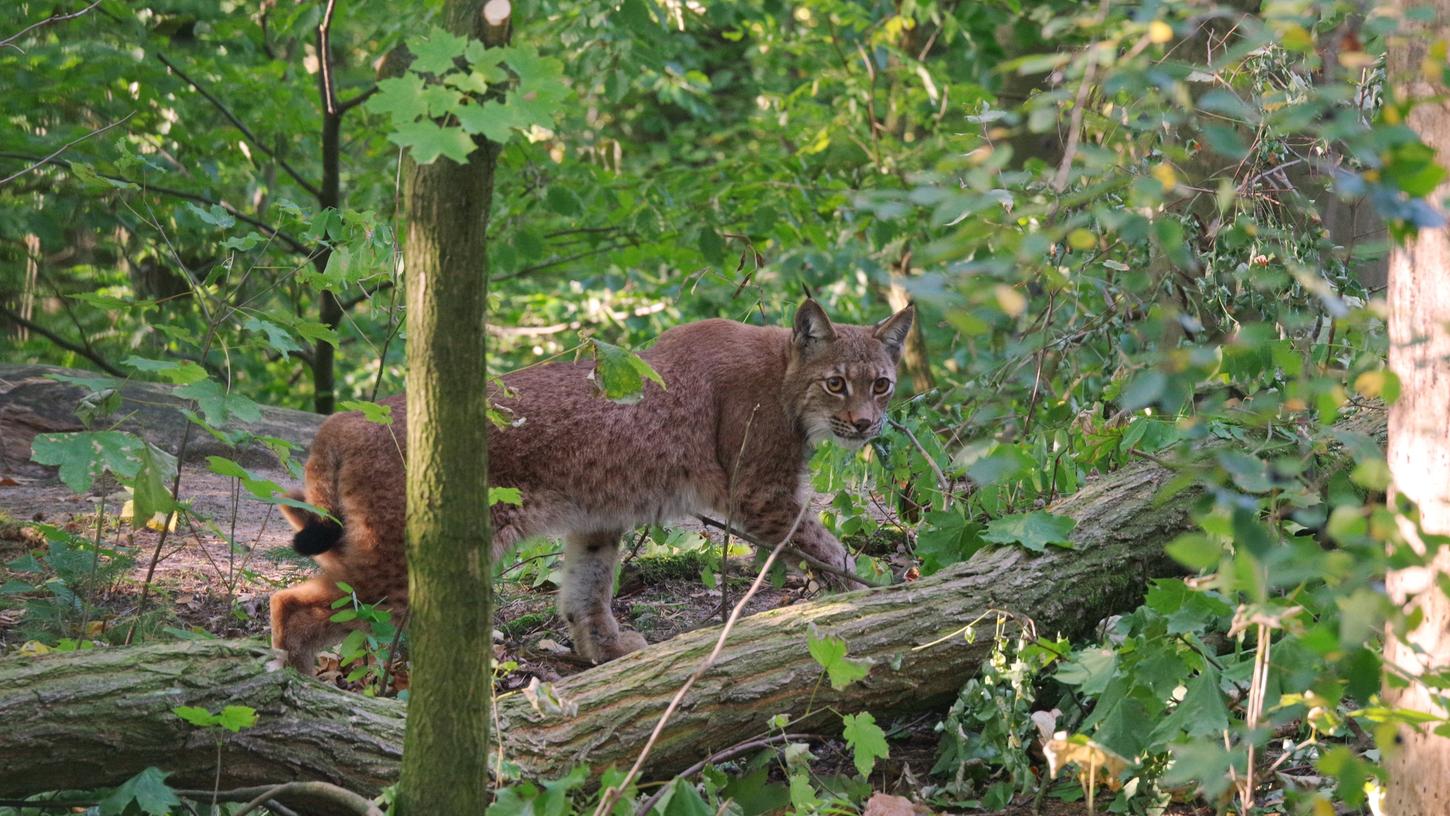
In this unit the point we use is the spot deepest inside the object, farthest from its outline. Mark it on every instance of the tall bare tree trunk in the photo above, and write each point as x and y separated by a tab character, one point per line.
445	747
1419	441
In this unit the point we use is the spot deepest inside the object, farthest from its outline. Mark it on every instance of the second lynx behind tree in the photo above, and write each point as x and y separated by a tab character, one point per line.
590	469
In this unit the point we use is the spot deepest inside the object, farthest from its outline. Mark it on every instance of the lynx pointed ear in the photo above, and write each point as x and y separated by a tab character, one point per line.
812	327
893	330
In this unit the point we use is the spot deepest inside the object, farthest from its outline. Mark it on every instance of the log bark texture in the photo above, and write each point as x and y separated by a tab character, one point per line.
95	718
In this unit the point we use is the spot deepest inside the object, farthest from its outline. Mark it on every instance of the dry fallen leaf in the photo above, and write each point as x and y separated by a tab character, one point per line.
884	804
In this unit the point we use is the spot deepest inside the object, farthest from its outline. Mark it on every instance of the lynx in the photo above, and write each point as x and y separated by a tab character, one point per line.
742	401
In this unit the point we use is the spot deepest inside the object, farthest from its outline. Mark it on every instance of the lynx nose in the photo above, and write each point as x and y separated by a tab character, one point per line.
862	425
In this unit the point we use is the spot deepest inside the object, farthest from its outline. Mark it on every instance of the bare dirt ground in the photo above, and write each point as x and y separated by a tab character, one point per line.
215	573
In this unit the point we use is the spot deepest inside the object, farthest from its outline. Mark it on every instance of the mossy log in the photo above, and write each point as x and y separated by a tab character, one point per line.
90	719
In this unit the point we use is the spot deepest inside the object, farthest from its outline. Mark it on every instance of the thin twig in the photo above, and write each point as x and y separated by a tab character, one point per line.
793	552
324	58
237	122
941	478
63	148
730	517
54	18
272	232
611	795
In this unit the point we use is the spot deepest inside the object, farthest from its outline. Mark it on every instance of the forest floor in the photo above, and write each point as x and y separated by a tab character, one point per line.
204	585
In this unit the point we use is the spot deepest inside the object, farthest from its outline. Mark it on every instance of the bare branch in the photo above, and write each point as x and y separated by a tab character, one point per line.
83	351
54	18
272	232
246	131
64	148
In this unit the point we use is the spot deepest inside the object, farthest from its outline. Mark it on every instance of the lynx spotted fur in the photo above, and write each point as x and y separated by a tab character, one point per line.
590	469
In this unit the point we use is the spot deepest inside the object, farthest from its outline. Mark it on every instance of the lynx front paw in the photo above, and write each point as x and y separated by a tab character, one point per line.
603	650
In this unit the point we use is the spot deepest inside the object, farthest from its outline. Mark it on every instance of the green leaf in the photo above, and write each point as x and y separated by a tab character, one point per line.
1200	714
235	718
214	215
555	801
505	495
686	801
1194	550
400	98
435	53
946	538
82	456
429	141
830	652
199	717
441	101
495	121
278	338
147	790
373	412
218	406
1033	530
621	373
149	492
176	372
866	739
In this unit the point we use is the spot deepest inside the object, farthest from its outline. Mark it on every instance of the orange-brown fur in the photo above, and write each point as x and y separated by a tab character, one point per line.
590	469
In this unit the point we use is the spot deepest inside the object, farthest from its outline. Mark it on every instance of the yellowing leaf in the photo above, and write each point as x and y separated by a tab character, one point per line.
31	648
1082	239
1165	175
1095	762
1355	60
1013	302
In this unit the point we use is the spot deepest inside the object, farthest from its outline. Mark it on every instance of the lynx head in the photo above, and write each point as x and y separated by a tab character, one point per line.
840	378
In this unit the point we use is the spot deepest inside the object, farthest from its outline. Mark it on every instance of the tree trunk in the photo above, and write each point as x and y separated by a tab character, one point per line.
446	746
66	715
1419	443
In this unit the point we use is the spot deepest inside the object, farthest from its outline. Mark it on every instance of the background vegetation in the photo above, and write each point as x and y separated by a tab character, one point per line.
1130	229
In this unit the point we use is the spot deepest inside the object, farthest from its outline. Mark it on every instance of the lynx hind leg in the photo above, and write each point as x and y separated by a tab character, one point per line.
301	624
585	596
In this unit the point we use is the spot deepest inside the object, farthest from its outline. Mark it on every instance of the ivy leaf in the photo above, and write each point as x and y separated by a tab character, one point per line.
1033	530
82	456
830	652
435	53
429	141
947	538
867	740
621	373
1201	714
400	98
146	790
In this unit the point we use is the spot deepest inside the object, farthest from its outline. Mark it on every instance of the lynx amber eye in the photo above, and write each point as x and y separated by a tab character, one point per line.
881	387
836	385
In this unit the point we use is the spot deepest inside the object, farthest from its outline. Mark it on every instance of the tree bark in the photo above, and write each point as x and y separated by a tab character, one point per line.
446	746
1419	442
66	716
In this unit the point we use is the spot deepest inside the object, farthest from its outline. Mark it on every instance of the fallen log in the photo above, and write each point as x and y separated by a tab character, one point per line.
91	719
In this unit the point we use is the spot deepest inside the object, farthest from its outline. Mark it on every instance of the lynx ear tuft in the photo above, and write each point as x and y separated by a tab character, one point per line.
893	330
812	327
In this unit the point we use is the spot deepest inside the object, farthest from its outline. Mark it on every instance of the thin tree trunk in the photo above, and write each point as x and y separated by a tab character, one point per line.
1419	443
445	756
66	715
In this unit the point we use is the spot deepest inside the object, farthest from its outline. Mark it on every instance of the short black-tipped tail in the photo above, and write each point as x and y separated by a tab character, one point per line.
317	536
